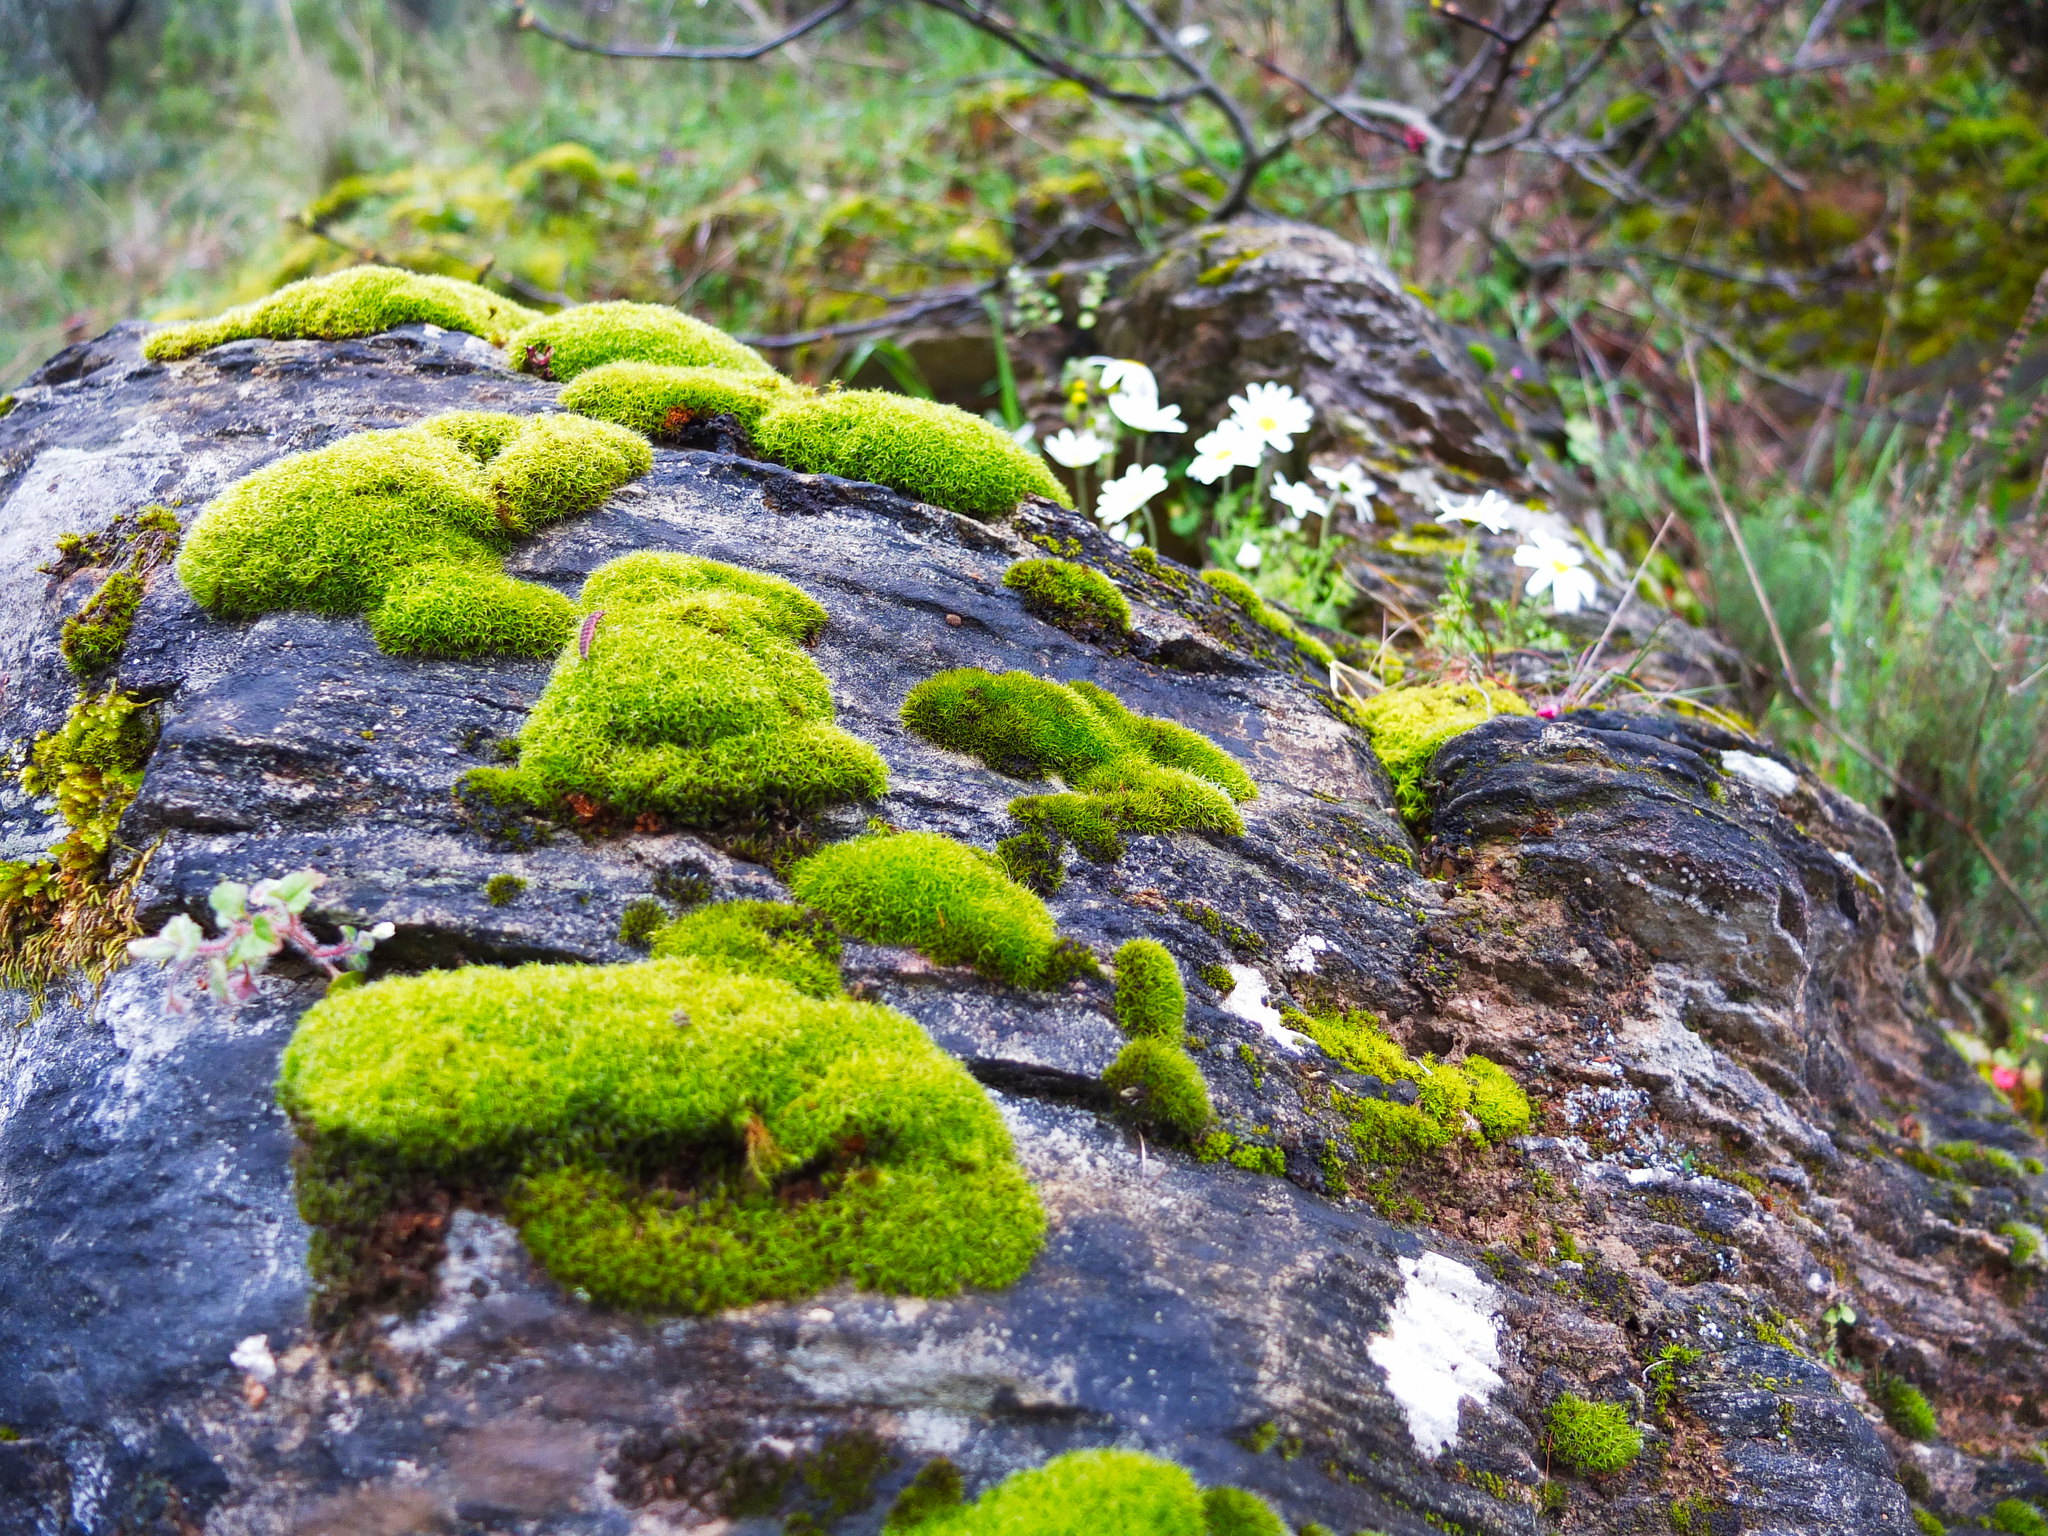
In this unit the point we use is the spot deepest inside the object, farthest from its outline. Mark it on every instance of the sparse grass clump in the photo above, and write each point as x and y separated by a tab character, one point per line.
668	1135
1076	598
1407	725
1158	1084
659	400
359	301
1593	1437
1151	1000
937	453
1253	606
1907	1410
761	938
695	703
411	527
1100	1491
952	902
576	340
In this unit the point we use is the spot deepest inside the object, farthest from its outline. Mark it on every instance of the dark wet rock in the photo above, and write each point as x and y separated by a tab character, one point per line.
1701	964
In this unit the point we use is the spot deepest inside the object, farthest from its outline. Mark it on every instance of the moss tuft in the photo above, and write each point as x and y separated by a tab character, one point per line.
2027	1241
1083	1491
659	401
1593	1437
1234	1512
1032	859
694	701
1076	598
1498	1102
1407	725
1151	1001
944	898
639	920
359	301
410	526
938	1486
667	1135
1158	1084
502	890
1262	613
577	340
1927	1522
1907	1410
937	453
2019	1517
93	637
1476	1098
762	938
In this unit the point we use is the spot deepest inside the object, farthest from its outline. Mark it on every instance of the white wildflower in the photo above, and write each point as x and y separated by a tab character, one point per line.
1273	413
1230	446
1350	482
1124	373
1249	556
1140	410
1559	569
1120	497
1492	511
1298	497
1076	450
1023	435
1192	36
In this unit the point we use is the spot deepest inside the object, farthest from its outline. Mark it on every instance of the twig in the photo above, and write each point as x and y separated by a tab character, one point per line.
526	21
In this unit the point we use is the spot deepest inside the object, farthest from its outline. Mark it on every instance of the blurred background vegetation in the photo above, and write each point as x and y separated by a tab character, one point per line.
1769	252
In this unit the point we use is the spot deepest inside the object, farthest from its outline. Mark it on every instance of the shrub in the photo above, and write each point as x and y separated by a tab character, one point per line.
944	898
1076	598
762	938
1080	1494
640	1120
1593	1437
1907	1410
1407	725
1253	606
579	339
416	520
937	453
359	301
1151	1000
694	701
1159	1084
659	401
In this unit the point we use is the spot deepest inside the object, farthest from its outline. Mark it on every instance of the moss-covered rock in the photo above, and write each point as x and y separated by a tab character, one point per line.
1076	598
1407	725
1475	1099
1090	1493
359	301
660	401
762	938
1253	605
573	341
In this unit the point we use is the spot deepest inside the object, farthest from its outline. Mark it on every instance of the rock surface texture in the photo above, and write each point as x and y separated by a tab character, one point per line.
1700	964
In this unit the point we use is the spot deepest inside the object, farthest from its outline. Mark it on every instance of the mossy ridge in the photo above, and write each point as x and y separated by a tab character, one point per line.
1076	598
937	453
1592	1436
1248	601
574	341
694	702
1088	1493
1407	725
1475	1099
761	938
668	1135
659	401
411	526
357	301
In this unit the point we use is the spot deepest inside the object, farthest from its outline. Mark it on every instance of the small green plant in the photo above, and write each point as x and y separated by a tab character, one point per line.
1927	1522
1151	1001
1906	1409
502	890
1664	1372
639	921
937	453
359	301
255	923
1122	1491
1407	725
2019	1517
1033	860
658	401
1158	1084
1253	606
571	342
1593	1437
1076	598
761	938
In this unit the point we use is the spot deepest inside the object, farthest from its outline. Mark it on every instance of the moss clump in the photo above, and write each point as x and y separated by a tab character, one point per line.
1234	1512
360	301
1476	1098
572	342
2027	1242
1033	860
1498	1102
1262	613
944	898
762	938
1927	1522
1907	1410
694	701
1076	598
668	1135
1407	725
1158	1083
1151	1000
1080	1494
503	890
93	637
411	526
660	401
2019	1517
938	1486
937	453
1593	1437
639	920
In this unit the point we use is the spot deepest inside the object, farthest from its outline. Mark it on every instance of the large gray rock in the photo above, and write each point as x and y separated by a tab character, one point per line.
1702	967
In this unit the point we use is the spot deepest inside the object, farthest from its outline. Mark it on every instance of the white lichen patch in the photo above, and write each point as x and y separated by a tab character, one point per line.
1441	1346
1301	955
1247	1000
1773	778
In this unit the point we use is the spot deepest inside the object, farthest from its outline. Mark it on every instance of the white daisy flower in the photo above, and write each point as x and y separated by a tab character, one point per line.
1492	511
1144	413
1120	497
1273	413
1192	36
1298	497
1226	448
1249	556
1350	482
1076	450
1559	569
1124	373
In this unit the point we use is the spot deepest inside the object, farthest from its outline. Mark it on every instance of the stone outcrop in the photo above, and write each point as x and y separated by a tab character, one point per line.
1702	965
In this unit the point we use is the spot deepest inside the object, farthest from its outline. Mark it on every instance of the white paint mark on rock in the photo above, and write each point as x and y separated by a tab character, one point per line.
252	1356
1301	958
1771	777
1442	1346
1247	1000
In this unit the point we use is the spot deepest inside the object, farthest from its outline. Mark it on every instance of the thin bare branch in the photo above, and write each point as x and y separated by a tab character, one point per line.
527	21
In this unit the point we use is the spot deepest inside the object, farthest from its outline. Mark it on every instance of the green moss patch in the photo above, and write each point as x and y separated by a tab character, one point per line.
2018	1517
360	301
1475	1099
1151	999
1907	1410
1407	725
1593	1437
694	701
660	401
411	526
1084	1493
762	938
1158	1084
1076	598
937	453
669	1135
572	342
952	902
1248	601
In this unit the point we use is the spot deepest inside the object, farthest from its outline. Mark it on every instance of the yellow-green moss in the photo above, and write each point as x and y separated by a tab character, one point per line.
1234	1512
1248	600
937	453
1593	1437
659	401
359	301
1907	1410
938	1486
574	341
696	703
1093	1493
954	903
1158	1084
762	938
1407	725
2019	1517
502	890
411	527
92	638
669	1135
1076	598
1151	999
1476	1099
